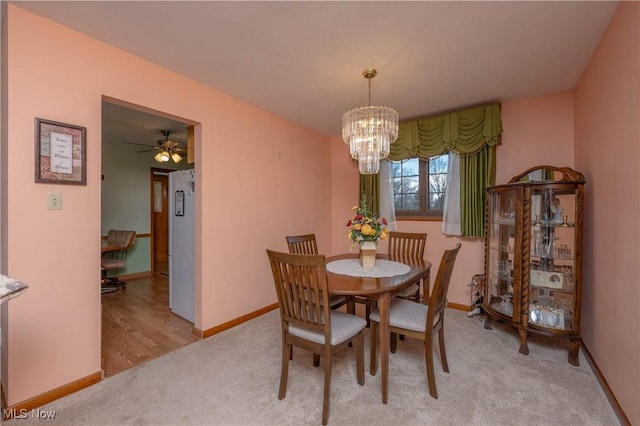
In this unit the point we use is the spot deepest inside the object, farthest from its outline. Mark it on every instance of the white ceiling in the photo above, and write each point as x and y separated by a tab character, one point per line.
303	60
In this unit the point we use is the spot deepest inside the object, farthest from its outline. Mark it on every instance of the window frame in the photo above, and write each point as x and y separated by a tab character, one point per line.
424	192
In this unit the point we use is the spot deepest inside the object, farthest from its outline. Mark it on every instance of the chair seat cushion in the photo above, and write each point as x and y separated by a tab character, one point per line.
343	327
405	314
409	291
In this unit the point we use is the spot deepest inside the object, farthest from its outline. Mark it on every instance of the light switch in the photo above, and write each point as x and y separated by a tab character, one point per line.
54	200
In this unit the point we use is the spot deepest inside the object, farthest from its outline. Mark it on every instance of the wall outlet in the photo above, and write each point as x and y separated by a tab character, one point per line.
54	200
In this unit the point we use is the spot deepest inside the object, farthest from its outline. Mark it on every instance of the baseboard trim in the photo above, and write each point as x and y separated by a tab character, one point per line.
459	307
196	332
52	395
135	276
230	324
605	386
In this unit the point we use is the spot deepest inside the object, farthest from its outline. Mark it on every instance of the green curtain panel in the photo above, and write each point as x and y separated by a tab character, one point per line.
370	186
477	172
471	133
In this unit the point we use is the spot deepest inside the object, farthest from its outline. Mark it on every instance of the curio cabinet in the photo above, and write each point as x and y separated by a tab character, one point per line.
533	255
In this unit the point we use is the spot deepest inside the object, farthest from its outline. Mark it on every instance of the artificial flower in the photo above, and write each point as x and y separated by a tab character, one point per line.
366	226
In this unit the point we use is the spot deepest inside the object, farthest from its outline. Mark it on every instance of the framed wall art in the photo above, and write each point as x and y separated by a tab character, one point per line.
60	153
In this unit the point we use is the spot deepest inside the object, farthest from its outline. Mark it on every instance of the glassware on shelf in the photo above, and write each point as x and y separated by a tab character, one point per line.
551	247
505	305
537	243
511	214
557	210
564	252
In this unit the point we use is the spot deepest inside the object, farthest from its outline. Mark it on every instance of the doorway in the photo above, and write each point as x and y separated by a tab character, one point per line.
137	324
160	221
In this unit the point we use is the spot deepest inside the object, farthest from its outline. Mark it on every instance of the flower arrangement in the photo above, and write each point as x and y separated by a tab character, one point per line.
366	226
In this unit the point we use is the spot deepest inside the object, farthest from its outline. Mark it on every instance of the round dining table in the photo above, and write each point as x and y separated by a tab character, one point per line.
379	284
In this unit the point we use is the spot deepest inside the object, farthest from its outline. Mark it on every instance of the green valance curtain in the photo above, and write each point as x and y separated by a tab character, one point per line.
464	132
471	133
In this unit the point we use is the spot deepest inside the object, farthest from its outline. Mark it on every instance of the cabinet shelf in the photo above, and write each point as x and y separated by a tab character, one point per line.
554	290
554	225
548	302
537	256
505	221
499	276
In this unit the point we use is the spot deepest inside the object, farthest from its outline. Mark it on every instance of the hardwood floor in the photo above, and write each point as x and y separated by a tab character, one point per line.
138	326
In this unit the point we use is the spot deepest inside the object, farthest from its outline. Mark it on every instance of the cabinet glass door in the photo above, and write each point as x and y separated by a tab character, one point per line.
500	251
553	240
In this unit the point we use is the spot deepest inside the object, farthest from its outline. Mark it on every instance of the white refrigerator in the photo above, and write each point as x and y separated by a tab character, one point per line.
181	243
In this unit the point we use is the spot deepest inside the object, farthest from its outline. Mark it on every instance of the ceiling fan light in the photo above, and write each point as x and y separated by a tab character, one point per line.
176	157
158	157
164	156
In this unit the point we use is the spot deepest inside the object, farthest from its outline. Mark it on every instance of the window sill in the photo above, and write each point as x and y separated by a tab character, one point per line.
419	219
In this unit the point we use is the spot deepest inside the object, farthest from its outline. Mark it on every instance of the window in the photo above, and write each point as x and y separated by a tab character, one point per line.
419	186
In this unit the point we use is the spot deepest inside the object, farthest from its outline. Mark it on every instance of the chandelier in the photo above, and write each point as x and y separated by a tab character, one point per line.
369	132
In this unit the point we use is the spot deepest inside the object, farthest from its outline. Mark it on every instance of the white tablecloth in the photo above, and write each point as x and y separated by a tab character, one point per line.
383	268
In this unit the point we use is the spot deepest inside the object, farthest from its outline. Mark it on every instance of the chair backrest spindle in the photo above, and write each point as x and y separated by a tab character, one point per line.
302	244
407	244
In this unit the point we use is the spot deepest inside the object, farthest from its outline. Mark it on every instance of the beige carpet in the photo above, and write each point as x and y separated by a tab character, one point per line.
232	379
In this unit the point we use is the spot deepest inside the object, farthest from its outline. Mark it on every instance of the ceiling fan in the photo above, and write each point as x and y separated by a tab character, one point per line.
167	150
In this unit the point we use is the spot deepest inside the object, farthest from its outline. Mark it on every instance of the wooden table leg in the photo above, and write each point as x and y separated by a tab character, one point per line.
383	307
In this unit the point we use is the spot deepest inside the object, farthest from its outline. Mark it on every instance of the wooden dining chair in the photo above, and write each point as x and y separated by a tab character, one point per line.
307	320
421	321
306	244
402	244
409	244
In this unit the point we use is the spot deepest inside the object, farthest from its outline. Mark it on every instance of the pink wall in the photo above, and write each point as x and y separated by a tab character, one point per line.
532	129
262	177
536	131
607	107
344	194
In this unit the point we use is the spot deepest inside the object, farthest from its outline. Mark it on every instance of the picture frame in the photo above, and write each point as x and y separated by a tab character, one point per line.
60	153
179	206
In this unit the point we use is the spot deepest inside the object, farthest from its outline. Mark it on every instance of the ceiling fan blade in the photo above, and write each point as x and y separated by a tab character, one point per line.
147	150
134	143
